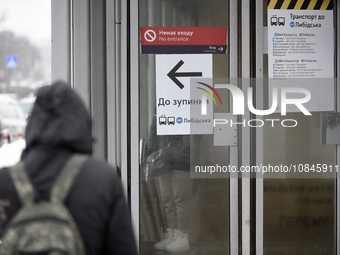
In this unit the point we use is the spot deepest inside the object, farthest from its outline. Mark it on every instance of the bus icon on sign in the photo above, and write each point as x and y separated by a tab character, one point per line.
162	120
281	21
171	120
273	21
166	120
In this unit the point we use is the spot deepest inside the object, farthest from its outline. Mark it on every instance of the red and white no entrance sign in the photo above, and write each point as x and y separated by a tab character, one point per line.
150	35
183	40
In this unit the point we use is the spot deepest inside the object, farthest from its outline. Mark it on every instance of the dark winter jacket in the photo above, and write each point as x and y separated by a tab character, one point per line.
60	126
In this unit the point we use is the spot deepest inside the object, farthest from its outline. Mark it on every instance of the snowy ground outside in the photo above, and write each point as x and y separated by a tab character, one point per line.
10	153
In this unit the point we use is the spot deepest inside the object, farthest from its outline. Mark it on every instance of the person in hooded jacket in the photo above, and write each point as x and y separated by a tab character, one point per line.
59	127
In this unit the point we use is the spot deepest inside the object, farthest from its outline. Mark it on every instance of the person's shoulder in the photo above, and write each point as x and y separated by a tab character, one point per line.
3	170
98	162
5	179
99	169
96	177
4	174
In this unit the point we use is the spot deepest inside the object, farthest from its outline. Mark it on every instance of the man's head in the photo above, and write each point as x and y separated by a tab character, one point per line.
59	119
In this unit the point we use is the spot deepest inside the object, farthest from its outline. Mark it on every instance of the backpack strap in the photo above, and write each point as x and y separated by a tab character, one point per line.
66	177
22	183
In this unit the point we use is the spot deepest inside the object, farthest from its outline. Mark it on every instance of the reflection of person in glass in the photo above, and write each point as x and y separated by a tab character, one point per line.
176	188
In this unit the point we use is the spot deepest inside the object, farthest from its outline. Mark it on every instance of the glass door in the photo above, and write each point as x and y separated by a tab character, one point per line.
180	212
299	203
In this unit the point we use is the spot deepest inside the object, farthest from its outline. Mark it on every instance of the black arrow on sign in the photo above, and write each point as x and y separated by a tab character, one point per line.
173	75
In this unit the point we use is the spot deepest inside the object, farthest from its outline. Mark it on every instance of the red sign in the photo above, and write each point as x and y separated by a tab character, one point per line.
177	40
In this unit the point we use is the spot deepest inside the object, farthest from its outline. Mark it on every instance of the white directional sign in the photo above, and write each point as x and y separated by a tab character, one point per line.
11	62
180	99
301	54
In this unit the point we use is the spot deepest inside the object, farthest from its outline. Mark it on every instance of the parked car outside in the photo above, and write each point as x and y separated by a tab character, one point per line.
27	104
12	119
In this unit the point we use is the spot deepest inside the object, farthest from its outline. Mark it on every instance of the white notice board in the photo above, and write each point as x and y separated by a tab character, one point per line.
178	100
301	54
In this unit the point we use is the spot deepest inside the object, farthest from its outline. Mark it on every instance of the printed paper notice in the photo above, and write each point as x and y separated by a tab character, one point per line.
300	45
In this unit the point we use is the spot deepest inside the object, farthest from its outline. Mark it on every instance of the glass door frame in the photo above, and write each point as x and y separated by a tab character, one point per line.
259	132
257	149
133	21
337	73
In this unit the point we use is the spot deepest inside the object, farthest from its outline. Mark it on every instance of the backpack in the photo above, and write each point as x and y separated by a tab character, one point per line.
45	227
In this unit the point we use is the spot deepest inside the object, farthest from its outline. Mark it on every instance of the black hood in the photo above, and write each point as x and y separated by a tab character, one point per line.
59	119
59	126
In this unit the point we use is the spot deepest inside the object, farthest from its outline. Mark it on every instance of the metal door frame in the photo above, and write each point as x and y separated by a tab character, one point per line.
337	180
259	132
134	107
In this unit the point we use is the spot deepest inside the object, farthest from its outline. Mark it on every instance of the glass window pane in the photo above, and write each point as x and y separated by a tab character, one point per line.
298	213
169	198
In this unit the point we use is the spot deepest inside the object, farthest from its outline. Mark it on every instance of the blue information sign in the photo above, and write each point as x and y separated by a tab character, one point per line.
11	62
